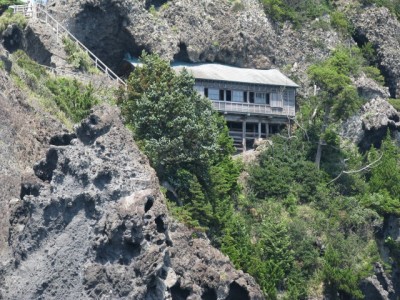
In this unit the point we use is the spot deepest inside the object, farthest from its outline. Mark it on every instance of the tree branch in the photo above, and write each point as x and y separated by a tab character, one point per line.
356	171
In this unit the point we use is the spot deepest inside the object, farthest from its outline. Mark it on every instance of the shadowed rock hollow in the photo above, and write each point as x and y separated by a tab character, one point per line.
92	223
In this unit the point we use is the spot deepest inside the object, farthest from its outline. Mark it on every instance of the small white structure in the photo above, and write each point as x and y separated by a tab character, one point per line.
254	102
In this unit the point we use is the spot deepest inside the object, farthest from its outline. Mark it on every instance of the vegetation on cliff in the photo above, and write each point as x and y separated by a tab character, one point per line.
298	12
187	142
304	220
299	229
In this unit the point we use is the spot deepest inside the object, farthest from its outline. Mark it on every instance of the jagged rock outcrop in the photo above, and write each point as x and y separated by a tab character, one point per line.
390	231
379	27
91	223
236	33
25	131
369	89
369	126
378	286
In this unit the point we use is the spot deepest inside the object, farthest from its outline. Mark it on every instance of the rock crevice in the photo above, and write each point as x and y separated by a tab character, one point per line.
92	223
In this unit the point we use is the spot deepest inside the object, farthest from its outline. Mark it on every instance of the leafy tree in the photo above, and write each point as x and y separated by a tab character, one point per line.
282	170
295	11
338	98
186	140
384	176
177	128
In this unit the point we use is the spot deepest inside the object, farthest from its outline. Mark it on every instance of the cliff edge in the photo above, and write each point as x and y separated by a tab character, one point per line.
92	223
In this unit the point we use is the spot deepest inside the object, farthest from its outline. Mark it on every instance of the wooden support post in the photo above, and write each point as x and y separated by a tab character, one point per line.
267	129
244	135
259	129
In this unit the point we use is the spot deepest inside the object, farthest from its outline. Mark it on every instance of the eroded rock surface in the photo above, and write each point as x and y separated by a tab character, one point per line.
378	286
370	125
379	27
25	131
230	32
92	223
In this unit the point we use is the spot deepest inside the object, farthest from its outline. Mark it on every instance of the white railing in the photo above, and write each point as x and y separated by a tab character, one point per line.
25	10
38	11
251	108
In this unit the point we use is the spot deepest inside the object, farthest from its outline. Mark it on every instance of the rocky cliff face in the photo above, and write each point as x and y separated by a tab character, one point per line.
382	30
91	222
25	131
236	33
231	32
369	126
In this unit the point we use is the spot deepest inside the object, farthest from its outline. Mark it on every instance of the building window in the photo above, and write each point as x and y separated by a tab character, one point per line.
260	98
213	94
228	95
205	92
244	96
221	95
276	100
237	96
251	97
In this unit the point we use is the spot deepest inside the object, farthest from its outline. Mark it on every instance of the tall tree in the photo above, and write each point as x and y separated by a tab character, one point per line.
177	128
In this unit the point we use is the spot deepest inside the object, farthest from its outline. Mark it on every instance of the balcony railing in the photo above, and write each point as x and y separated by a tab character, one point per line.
251	108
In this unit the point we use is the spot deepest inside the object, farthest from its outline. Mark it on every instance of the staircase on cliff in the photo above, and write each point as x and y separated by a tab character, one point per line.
36	10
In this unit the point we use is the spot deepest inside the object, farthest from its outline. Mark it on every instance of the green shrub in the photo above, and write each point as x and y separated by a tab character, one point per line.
369	53
74	99
296	12
9	17
374	73
77	57
395	103
30	66
341	23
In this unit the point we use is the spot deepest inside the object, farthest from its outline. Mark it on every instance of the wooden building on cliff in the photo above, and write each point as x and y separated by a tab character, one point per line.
255	103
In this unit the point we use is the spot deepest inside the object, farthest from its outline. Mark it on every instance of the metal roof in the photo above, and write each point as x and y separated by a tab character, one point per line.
219	72
213	71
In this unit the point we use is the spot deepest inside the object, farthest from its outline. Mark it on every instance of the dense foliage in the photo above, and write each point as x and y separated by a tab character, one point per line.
296	11
66	97
299	11
8	17
186	141
78	58
300	230
72	97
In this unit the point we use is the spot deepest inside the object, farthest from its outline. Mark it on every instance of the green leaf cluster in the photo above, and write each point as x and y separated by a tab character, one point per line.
295	11
333	77
70	97
77	57
324	236
8	18
186	140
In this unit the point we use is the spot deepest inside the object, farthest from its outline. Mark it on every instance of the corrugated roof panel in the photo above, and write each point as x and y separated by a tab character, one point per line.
213	71
219	72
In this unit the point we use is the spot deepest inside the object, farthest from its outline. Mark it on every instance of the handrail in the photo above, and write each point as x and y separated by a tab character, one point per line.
42	14
252	108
